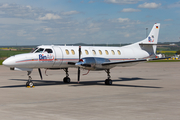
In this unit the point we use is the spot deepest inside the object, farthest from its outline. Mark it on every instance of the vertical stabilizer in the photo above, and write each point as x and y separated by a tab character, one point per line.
150	43
153	35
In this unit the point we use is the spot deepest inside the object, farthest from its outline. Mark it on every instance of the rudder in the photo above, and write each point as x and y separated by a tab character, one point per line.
150	43
153	35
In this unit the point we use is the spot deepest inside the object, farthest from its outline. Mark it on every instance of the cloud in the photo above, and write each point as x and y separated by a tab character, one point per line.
120	20
28	6
174	5
70	13
130	10
18	21
50	16
91	1
168	20
149	5
127	35
19	11
5	6
30	25
122	1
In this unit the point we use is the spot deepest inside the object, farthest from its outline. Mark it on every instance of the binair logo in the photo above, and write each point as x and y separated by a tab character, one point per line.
48	57
151	39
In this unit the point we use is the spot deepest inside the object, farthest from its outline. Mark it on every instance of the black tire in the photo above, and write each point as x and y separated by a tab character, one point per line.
27	83
65	79
68	80
108	82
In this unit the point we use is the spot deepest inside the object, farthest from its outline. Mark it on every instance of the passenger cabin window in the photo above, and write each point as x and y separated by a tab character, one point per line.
67	52
106	52
94	52
112	51
48	51
86	52
40	50
72	51
100	52
119	53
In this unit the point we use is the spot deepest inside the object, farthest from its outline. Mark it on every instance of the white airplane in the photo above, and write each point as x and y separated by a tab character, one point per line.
86	57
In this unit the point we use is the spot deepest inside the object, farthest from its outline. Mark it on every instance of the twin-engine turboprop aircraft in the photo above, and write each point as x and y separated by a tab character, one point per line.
86	57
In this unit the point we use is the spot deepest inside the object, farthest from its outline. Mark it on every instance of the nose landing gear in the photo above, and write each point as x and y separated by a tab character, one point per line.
29	83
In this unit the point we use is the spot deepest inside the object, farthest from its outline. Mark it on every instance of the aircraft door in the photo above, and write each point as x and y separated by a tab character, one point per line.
58	56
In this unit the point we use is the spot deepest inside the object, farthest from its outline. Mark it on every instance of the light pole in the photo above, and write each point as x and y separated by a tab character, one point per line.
146	32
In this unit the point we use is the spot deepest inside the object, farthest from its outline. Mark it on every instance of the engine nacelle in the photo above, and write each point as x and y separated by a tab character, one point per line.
92	63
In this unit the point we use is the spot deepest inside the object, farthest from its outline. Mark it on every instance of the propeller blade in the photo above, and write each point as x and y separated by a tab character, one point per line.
79	61
79	53
78	74
40	73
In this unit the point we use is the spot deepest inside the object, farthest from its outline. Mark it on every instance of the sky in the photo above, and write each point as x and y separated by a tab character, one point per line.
40	22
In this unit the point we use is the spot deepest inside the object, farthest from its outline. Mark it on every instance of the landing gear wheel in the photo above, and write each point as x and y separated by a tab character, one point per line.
66	80
108	82
30	84
27	83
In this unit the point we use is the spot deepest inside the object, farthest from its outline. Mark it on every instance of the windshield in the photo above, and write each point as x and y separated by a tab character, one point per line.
34	49
40	50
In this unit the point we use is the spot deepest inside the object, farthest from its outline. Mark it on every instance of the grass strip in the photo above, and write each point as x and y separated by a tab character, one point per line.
165	61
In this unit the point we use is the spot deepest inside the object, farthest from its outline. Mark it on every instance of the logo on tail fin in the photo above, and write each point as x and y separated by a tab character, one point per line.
151	39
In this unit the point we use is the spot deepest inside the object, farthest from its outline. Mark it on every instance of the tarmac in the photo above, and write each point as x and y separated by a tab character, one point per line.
147	91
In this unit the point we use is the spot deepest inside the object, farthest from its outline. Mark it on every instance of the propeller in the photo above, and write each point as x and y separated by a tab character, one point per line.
40	73
79	61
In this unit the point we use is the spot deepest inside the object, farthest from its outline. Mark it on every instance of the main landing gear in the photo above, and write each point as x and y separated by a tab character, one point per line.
29	83
108	81
66	79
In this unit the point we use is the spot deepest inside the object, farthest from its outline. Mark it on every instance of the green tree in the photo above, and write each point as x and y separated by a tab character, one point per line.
178	52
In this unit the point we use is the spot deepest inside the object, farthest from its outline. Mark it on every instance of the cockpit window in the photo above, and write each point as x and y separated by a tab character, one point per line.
48	51
34	49
40	50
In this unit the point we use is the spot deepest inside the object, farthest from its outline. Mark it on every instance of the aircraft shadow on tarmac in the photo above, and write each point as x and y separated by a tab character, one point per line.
82	83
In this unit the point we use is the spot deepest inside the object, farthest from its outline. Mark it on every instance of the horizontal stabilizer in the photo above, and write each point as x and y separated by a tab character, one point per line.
147	44
151	59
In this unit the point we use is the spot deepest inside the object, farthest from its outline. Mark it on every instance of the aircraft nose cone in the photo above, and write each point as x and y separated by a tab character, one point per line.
8	62
4	62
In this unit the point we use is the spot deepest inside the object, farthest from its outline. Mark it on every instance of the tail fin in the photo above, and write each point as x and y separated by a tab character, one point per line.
150	43
153	35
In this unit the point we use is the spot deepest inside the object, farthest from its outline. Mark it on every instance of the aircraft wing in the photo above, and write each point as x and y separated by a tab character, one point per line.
124	63
102	63
130	62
